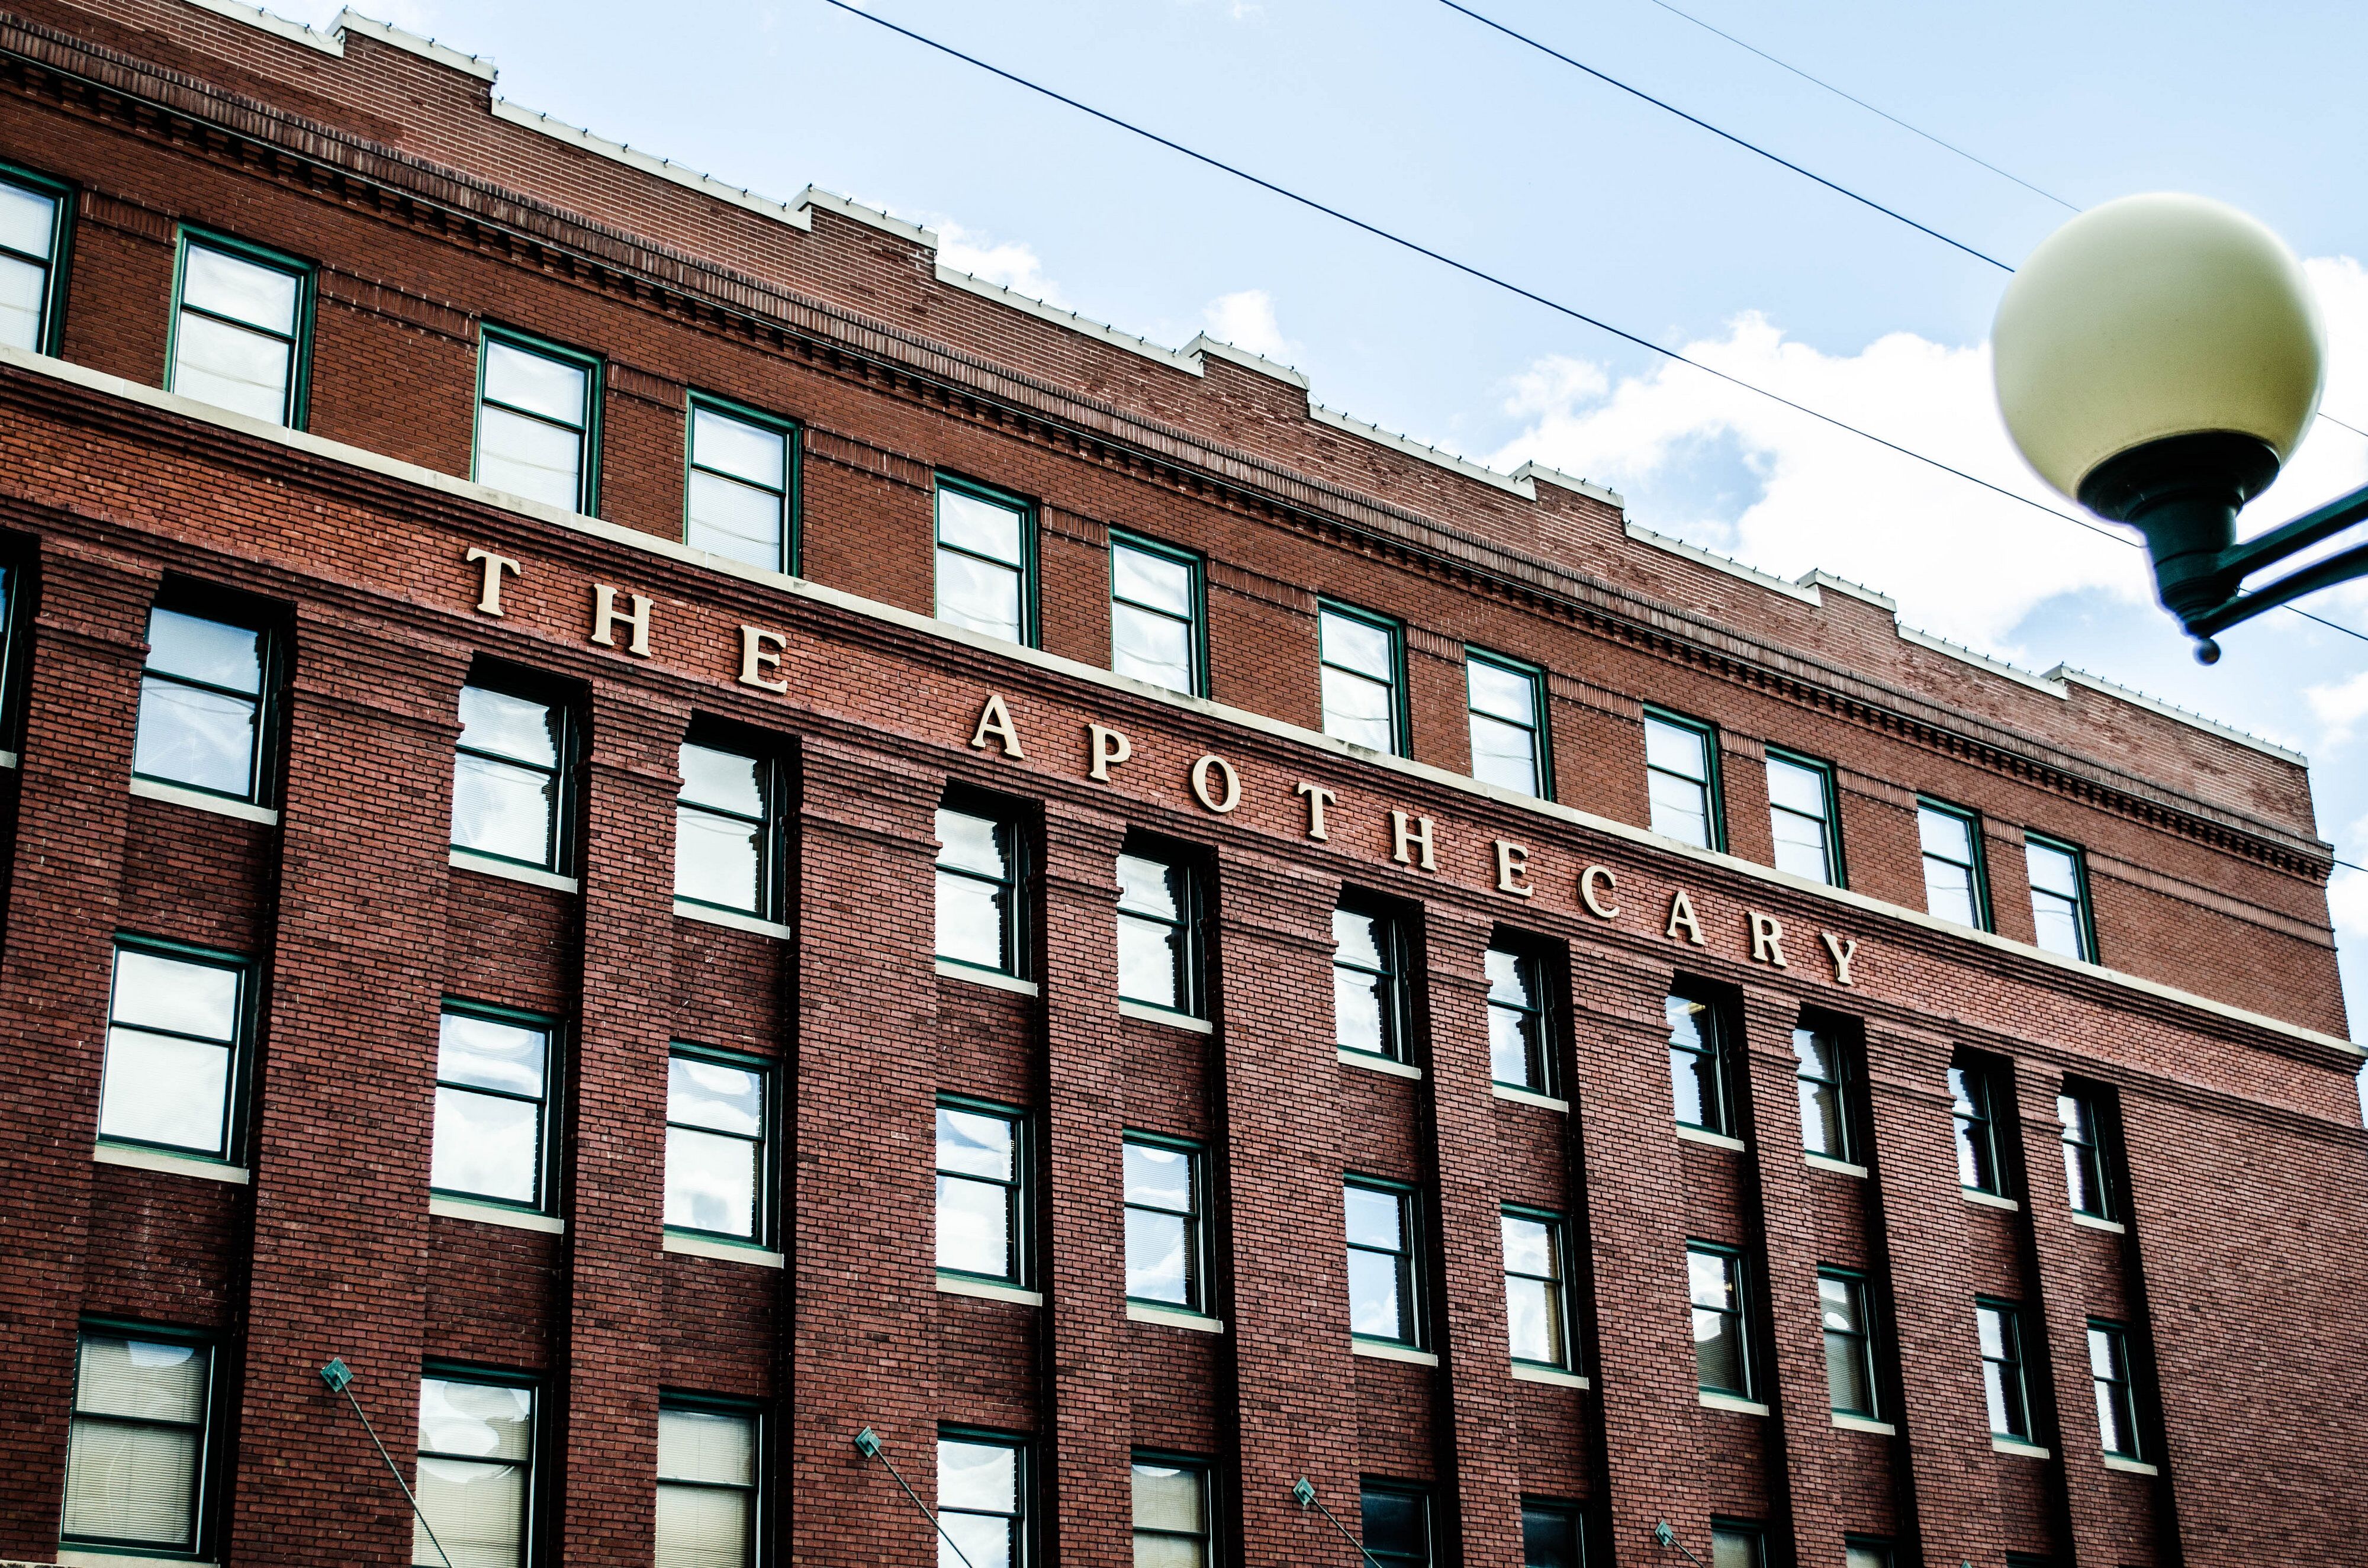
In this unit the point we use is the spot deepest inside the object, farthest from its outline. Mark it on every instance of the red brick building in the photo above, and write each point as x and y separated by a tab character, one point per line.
680	834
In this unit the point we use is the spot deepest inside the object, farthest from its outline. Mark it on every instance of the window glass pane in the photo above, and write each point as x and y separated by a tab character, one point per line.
175	994
502	810
1170	1497
157	1089
718	859
196	738
1847	1387
1357	711
1396	1526
730	519
972	844
974	1227
1357	645
1991	1327
982	1542
1529	1245
1945	834
1796	789
477	1511
970	921
1801	846
1152	648
1949	892
514	727
1681	808
1513	1055
1677	748
978	596
711	1182
981	526
479	1420
529	459
140	1378
485	1145
975	1144
136	1483
1374	1218
1505	694
1734	1548
1532	1322
1149	887
1374	1307
701	1527
1860	1554
232	368
706	1445
978	1475
1503	755
488	1055
1159	1178
1357	938
535	382
1151	580
1509	979
1158	1263
244	291
1359	1012
1147	961
28	220
1549	1538
716	1096
22	285
737	448
213	651
2059	925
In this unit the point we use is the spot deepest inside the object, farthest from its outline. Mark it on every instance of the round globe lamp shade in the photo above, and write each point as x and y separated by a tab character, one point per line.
2150	318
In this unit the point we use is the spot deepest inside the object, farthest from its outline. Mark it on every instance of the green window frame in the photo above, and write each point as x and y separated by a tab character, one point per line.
1493	716
988	1518
2080	1116
1825	1072
111	1428
1523	1042
15	590
1720	1295
1394	1520
1981	1152
443	1417
1381	1222
2111	1376
1372	1012
478	1073
215	322
1808	842
583	422
194	688
984	1173
1346	665
720	1123
711	1460
2005	1378
1682	778
32	263
1165	1195
1950	838
1160	961
1845	1312
1175	1509
982	879
1018	558
155	1080
1137	599
728	475
1702	1088
1554	1533
494	706
2062	919
729	823
1537	1288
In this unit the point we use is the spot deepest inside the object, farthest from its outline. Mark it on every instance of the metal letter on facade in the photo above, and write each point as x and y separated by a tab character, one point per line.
1681	913
489	597
1223	803
1588	881
1109	748
995	720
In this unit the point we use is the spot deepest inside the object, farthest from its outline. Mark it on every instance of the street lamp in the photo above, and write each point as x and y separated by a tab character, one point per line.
2157	358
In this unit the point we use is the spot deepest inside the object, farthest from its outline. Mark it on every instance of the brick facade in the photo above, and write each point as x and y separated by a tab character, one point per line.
2213	1025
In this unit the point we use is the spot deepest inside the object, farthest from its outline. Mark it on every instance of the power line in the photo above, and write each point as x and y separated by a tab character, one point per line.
1840	93
1481	274
1726	136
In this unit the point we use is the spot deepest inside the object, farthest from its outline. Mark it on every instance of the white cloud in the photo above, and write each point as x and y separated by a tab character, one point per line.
1011	263
1246	320
2340	707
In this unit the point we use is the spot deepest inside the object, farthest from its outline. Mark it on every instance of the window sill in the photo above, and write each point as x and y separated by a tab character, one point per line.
1554	1376
198	800
1144	1012
1372	1063
1174	1317
1839	1167
987	1291
1733	1403
2131	1467
1862	1424
71	1558
470	861
1382	1350
494	1214
1713	1140
1519	1096
726	1251
2098	1222
164	1160
731	920
1990	1201
992	980
2018	1447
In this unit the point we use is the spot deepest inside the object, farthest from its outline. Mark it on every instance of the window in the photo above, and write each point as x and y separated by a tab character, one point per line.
476	1470
1802	817
239	329
1850	1343
1369	1003
1361	662
2109	1370
982	1215
202	707
1822	1072
986	541
1953	865
1551	1534
1396	1523
978	891
1980	1168
707	1458
1156	614
726	850
1520	1038
538	421
740	492
2059	898
175	1028
1862	1551
2000	1330
1383	1291
717	1172
1158	933
1698	1067
1733	1545
1681	776
1723	1358
1166	1256
35	217
136	1449
1537	1303
982	1499
493	1094
2084	1153
1172	1527
510	778
1507	711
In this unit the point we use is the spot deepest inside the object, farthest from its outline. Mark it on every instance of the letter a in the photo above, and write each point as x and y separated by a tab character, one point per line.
995	720
1681	913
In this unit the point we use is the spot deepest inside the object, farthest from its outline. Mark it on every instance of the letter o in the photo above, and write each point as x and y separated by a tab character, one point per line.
1233	795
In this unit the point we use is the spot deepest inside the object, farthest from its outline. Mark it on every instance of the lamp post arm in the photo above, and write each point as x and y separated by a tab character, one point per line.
2300	534
2339	568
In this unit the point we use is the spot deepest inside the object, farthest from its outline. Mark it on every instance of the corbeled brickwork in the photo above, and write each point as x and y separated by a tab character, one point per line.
2209	1030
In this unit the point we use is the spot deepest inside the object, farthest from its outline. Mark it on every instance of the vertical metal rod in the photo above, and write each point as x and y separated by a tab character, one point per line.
342	1382
868	1444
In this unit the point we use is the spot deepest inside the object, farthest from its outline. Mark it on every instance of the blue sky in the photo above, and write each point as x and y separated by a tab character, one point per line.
1404	112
